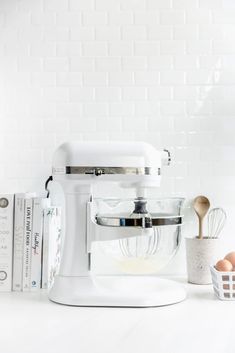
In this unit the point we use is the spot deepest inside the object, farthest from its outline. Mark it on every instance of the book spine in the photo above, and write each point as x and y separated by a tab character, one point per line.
18	242
27	244
46	230
6	241
36	248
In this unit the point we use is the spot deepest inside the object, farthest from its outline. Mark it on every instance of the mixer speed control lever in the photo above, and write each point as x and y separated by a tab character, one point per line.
166	157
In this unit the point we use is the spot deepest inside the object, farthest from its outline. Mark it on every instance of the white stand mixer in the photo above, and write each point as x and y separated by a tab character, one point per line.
77	167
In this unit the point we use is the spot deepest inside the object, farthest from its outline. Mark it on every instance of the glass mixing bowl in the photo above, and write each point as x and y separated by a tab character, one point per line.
149	232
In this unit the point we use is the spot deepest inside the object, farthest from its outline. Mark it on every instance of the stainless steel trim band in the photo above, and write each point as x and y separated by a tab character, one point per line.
106	171
143	222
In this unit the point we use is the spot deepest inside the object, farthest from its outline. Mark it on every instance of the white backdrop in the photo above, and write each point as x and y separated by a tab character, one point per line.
161	71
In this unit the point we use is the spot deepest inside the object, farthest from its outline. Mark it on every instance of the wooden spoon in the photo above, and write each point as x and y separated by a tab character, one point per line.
201	205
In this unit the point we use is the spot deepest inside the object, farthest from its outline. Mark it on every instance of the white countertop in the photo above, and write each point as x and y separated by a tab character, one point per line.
30	323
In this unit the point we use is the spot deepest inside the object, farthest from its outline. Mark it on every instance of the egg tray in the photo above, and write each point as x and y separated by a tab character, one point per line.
223	284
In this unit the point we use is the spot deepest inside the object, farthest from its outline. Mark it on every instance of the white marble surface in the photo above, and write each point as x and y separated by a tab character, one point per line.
29	323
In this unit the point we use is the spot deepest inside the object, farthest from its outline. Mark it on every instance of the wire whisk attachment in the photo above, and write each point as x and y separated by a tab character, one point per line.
141	246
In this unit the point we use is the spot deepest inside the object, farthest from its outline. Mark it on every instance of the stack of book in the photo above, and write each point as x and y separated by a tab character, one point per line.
30	240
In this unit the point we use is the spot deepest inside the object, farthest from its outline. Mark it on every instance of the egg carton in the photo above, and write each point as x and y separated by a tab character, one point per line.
223	284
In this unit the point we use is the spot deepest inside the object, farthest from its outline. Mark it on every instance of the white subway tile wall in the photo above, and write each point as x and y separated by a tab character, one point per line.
162	71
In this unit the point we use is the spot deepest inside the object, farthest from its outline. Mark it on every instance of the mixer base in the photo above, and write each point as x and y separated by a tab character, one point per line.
116	291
